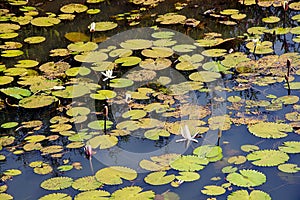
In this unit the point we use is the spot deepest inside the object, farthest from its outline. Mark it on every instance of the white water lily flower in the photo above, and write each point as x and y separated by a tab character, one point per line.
187	135
93	27
108	75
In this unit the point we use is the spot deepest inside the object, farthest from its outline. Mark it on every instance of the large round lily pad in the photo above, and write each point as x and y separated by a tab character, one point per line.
37	101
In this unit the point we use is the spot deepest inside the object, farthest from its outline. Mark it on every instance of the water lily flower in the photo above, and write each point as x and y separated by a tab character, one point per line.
88	151
285	5
128	98
108	75
185	133
92	27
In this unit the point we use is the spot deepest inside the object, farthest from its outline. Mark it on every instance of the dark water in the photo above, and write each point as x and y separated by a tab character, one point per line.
27	186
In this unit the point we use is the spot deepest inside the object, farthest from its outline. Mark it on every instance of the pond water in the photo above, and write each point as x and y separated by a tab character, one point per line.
202	102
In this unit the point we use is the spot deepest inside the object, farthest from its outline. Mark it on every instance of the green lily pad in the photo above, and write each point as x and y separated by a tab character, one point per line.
157	64
237	160
73	7
244	195
184	48
210	152
128	61
99	124
170	18
26	63
73	91
11	45
34	39
57	183
11	53
134	114
271	19
204	76
159	178
267	157
290	147
289	168
296	18
91	57
163	34
93	194
249	148
103	141
120	83
56	196
132	192
246	178
214	52
113	175
76	111
6	80
229	11
104	94
16	92
37	101
188	176
264	47
294	6
214	67
270	130
213	190
105	26
45	21
229	169
93	11
86	183
157	52
189	163
154	134
136	44
81	46
121	53
75	71
8	35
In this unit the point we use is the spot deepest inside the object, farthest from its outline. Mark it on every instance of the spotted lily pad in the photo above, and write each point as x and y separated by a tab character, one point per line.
170	18
113	175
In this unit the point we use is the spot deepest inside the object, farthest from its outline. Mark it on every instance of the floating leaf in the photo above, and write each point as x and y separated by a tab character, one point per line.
57	183
77	37
56	196
6	80
134	114
183	48
120	83
45	21
189	163
93	195
270	130
229	169
113	175
141	75
264	47
159	178
11	53
86	183
289	168
267	157
73	7
105	26
249	148
81	46
246	178
271	19
163	34
9	124
75	71
244	195
103	141
34	39
154	134
188	176
136	44
73	91
16	92
290	147
170	18
213	190
204	76
128	61
237	160
214	52
27	63
157	52
132	192
12	172
104	94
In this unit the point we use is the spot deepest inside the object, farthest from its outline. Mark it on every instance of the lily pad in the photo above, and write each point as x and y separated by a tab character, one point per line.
132	192
86	183
103	141
93	195
72	91
289	168
290	147
73	7
34	39
57	183
271	19
204	76
244	195
37	101
136	44
267	157
11	53
16	92
120	83
45	21
270	130
128	61
189	163
159	178
104	94
105	26
213	190
81	46
56	196
113	175
246	178
6	80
